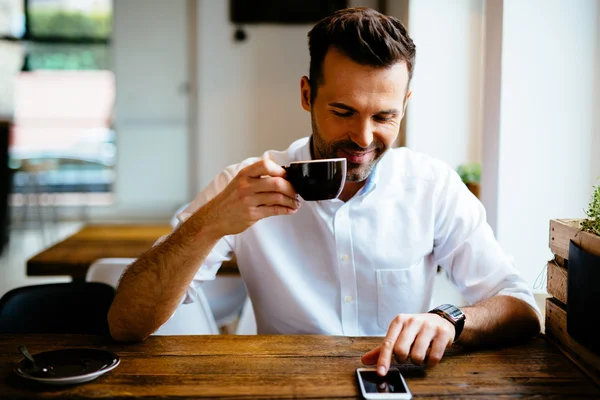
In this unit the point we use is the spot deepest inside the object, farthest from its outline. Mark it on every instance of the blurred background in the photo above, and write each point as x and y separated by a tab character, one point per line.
123	110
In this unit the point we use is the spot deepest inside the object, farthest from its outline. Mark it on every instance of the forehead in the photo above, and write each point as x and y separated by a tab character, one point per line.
344	77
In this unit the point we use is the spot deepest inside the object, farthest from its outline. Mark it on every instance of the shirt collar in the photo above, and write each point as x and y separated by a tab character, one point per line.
305	152
371	181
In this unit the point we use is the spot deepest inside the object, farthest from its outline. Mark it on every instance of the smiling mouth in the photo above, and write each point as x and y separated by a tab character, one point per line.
358	158
358	153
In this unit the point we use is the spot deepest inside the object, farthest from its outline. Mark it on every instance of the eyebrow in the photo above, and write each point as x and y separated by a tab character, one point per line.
347	107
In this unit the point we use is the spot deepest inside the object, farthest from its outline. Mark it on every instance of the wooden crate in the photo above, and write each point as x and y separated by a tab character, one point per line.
562	231
556	331
557	281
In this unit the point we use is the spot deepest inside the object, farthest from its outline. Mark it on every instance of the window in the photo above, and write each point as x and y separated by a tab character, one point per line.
83	21
61	93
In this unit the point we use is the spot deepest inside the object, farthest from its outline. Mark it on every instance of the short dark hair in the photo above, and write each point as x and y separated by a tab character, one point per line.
364	35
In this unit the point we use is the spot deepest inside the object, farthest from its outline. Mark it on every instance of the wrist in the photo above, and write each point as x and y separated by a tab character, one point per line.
446	322
453	315
206	225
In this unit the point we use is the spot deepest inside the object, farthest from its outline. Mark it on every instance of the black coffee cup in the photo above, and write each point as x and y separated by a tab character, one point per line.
317	179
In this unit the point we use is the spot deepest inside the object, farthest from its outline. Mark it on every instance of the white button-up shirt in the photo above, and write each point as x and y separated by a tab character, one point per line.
348	268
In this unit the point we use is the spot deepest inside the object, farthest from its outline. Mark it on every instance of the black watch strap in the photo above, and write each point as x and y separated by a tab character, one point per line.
452	314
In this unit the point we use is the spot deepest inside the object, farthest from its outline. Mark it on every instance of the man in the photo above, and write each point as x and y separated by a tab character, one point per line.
362	264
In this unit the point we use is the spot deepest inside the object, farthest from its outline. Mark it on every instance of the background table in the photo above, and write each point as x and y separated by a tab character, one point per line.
308	366
74	255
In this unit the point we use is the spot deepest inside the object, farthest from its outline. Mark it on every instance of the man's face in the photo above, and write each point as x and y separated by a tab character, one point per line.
357	111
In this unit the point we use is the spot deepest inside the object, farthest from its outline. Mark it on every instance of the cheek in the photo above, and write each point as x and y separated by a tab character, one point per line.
334	128
387	135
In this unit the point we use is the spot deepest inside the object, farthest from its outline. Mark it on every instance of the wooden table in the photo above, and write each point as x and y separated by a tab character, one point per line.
185	367
75	254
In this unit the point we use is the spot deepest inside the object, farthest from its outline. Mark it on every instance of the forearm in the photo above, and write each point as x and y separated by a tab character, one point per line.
499	320
153	286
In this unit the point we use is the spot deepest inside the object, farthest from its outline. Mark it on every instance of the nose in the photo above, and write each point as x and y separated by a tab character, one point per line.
362	133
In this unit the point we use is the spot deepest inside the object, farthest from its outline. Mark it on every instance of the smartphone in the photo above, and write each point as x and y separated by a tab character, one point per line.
392	386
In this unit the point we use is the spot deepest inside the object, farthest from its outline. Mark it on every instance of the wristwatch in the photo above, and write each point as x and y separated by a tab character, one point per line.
454	315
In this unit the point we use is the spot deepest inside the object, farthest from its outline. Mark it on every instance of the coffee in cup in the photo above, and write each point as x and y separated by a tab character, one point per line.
317	179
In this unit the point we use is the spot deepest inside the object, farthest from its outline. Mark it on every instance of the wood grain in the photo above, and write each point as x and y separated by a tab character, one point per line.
562	231
74	255
556	330
292	366
557	282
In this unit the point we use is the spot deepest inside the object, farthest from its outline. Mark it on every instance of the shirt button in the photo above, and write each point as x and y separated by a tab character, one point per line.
345	257
348	299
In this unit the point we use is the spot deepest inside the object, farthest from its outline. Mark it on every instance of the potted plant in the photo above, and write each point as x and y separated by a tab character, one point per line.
591	224
572	280
470	173
584	232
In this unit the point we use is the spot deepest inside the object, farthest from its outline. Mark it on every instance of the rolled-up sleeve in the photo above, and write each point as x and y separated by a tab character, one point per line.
223	250
208	270
466	248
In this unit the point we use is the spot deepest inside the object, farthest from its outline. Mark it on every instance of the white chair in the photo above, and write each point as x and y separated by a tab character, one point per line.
191	319
225	294
195	318
108	270
247	323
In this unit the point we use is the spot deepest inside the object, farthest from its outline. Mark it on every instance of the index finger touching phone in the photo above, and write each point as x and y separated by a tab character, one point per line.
374	386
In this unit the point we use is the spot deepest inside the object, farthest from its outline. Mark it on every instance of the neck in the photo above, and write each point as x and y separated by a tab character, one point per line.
350	189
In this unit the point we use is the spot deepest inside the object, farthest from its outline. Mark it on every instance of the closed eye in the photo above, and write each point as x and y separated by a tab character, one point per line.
342	114
384	118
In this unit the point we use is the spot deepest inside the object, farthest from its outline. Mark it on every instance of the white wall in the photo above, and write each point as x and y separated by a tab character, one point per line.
364	3
150	65
443	114
549	128
11	55
248	92
595	143
491	88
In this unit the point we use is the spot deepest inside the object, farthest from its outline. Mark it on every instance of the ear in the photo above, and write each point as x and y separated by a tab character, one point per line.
406	102
305	93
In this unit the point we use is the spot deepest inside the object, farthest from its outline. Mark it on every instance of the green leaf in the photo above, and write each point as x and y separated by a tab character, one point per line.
469	172
591	224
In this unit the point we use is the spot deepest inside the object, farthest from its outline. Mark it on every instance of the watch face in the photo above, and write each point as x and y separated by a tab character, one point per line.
452	314
452	311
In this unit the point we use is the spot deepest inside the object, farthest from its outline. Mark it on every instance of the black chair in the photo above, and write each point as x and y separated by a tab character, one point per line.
80	307
6	176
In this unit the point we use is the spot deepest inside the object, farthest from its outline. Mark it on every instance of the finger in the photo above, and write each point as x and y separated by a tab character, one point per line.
271	211
370	358
274	199
274	184
438	347
263	167
387	347
421	345
405	340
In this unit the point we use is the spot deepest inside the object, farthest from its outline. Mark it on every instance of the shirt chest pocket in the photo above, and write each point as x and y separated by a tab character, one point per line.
401	291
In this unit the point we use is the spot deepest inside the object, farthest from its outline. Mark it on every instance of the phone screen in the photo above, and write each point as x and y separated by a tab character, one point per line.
391	383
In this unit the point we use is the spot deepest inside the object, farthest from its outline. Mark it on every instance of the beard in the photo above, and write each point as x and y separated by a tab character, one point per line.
355	172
